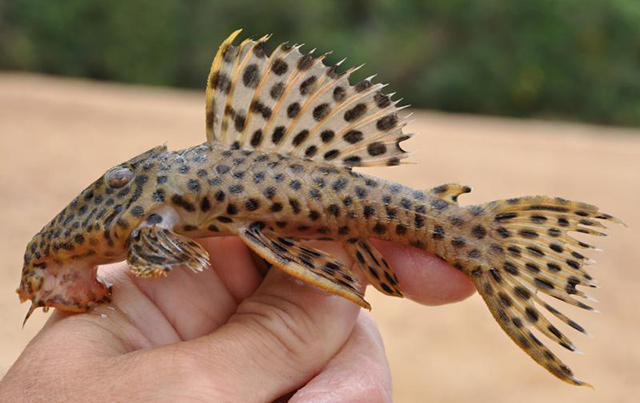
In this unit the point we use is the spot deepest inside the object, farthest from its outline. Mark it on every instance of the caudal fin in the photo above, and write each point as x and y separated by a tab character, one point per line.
531	251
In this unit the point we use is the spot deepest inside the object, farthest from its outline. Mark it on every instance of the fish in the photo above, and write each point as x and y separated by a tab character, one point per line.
284	135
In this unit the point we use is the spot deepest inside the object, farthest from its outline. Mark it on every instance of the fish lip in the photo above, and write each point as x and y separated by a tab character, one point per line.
68	286
22	294
30	284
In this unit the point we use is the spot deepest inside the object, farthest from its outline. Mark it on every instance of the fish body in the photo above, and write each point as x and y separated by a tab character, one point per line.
284	133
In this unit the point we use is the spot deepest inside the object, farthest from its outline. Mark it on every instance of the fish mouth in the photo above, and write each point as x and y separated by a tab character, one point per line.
69	287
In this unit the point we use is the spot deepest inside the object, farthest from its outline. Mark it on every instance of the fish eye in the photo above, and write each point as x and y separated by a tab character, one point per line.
119	177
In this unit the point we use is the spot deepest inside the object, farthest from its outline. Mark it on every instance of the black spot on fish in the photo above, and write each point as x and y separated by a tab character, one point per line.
321	111
276	91
511	268
305	62
193	185
356	112
360	192
279	67
334	210
251	75
277	134
300	137
308	85
332	154
353	136
387	123
401	229
439	204
458	242
179	201
295	205
295	185
327	135
310	151
363	85
293	110
368	211
479	231
379	228
438	232
505	216
221	82
252	204
339	184
137	211
205	205
256	138
382	101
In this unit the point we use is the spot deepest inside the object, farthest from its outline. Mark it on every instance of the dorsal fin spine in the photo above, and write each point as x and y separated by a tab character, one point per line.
282	53
362	122
225	117
322	86
209	96
381	136
291	83
263	79
291	127
237	70
325	86
342	107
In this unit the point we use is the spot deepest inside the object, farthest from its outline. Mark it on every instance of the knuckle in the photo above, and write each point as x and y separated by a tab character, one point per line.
189	376
285	327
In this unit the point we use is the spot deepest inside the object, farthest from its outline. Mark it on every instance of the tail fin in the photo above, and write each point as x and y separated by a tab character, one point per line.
531	251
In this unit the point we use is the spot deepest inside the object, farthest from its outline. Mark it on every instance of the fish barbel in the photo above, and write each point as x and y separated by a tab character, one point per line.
284	132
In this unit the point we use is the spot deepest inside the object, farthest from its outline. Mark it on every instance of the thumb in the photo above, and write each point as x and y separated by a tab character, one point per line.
277	340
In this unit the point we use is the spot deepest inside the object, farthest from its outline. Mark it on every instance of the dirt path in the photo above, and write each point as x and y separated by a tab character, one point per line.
57	135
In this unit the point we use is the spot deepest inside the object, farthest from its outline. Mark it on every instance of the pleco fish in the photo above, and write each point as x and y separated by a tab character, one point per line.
283	133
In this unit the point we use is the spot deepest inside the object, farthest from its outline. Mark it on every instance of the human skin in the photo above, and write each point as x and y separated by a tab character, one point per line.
225	334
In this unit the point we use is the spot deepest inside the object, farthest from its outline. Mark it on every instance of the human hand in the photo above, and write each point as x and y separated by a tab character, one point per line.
222	335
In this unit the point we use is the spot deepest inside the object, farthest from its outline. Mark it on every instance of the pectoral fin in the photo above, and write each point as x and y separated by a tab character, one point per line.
305	263
155	251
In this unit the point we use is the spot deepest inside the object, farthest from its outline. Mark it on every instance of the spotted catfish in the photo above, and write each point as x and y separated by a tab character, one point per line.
283	135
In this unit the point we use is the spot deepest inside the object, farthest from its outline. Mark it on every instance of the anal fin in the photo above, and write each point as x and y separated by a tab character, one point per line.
305	263
374	266
155	251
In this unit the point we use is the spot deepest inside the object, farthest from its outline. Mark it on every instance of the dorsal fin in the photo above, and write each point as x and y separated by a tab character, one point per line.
292	103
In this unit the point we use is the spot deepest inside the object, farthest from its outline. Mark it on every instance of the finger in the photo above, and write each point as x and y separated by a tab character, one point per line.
278	339
182	306
358	373
233	262
131	321
423	277
196	304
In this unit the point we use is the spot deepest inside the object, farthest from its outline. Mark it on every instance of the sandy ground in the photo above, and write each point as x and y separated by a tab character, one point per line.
58	135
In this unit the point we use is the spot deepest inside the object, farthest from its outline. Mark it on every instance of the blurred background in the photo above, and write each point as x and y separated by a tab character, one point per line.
87	84
568	59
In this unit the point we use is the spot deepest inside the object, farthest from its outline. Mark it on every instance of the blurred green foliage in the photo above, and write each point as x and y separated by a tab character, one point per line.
569	59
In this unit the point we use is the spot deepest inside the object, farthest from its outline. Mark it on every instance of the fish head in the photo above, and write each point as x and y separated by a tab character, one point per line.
60	262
